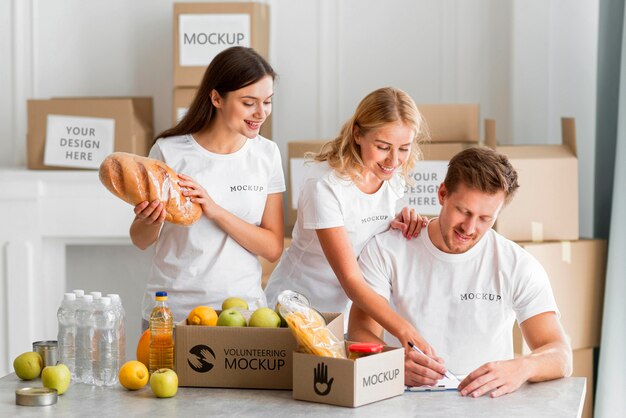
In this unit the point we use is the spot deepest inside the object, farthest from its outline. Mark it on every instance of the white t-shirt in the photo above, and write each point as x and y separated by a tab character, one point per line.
201	264
328	201
464	305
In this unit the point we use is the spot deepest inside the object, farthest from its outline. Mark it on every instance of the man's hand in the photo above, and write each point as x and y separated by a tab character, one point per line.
497	377
422	370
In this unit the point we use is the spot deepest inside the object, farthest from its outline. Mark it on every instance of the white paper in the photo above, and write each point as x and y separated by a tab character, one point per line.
78	142
443	384
203	36
427	176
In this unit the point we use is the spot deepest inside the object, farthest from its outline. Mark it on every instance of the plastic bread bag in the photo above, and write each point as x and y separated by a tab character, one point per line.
309	327
136	179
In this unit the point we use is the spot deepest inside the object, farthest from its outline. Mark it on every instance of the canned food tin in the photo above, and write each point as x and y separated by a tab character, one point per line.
48	352
35	396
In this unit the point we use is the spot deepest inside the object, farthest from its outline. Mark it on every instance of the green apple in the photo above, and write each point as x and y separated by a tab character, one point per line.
28	365
234	303
56	377
265	318
231	318
164	383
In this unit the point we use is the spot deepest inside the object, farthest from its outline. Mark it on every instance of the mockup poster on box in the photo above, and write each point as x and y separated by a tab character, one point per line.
426	178
203	36
77	141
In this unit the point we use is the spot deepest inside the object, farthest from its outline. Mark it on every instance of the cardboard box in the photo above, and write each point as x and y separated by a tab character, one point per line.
183	98
545	206
577	271
268	267
132	118
237	357
452	122
346	382
203	30
584	367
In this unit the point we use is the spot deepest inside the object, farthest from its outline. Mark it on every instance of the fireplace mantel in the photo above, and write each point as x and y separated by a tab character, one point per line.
40	213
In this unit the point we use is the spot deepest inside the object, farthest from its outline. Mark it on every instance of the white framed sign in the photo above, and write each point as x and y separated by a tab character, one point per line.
202	36
77	141
427	176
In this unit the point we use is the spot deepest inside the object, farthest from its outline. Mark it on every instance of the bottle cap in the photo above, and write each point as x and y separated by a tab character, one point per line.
161	295
79	292
88	298
69	296
35	396
369	348
96	295
105	301
114	297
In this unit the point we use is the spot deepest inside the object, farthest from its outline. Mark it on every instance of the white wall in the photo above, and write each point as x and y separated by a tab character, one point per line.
527	62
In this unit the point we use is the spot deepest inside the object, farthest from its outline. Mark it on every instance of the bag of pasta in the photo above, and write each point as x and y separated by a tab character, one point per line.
308	326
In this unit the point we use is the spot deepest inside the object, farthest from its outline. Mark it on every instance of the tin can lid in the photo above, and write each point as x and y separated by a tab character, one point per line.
35	396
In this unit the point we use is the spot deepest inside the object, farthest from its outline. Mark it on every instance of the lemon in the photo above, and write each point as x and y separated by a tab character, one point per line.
133	375
202	315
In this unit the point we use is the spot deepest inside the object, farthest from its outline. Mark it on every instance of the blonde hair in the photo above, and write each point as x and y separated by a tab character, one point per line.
380	107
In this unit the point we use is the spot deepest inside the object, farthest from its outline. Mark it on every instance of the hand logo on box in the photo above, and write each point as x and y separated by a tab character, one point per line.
197	359
321	384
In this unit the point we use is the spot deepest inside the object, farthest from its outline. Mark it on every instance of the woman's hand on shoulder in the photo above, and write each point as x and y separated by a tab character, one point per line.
150	213
198	195
409	222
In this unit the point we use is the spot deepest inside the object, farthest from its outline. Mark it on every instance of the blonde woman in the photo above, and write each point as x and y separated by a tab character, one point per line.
359	178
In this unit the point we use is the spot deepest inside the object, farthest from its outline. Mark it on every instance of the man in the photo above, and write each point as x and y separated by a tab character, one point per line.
462	285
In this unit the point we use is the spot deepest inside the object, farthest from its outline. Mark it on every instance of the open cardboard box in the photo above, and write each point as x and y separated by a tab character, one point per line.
238	357
346	382
545	208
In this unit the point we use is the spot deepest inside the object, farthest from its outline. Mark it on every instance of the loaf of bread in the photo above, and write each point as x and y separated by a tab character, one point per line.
136	179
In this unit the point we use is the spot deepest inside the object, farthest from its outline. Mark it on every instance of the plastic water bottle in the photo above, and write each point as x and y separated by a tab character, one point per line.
105	359
66	316
120	313
161	335
84	338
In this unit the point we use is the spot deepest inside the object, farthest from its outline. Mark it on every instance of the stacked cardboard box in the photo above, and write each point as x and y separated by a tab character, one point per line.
203	30
546	205
543	219
66	133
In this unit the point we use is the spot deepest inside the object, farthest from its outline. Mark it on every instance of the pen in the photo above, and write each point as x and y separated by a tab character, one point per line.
448	373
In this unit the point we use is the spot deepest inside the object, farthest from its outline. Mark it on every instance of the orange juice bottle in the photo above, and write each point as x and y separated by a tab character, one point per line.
161	335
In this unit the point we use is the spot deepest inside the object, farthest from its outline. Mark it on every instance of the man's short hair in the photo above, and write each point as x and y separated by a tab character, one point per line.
483	169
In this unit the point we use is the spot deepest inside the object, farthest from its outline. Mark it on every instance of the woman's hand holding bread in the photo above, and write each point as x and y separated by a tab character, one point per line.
143	181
